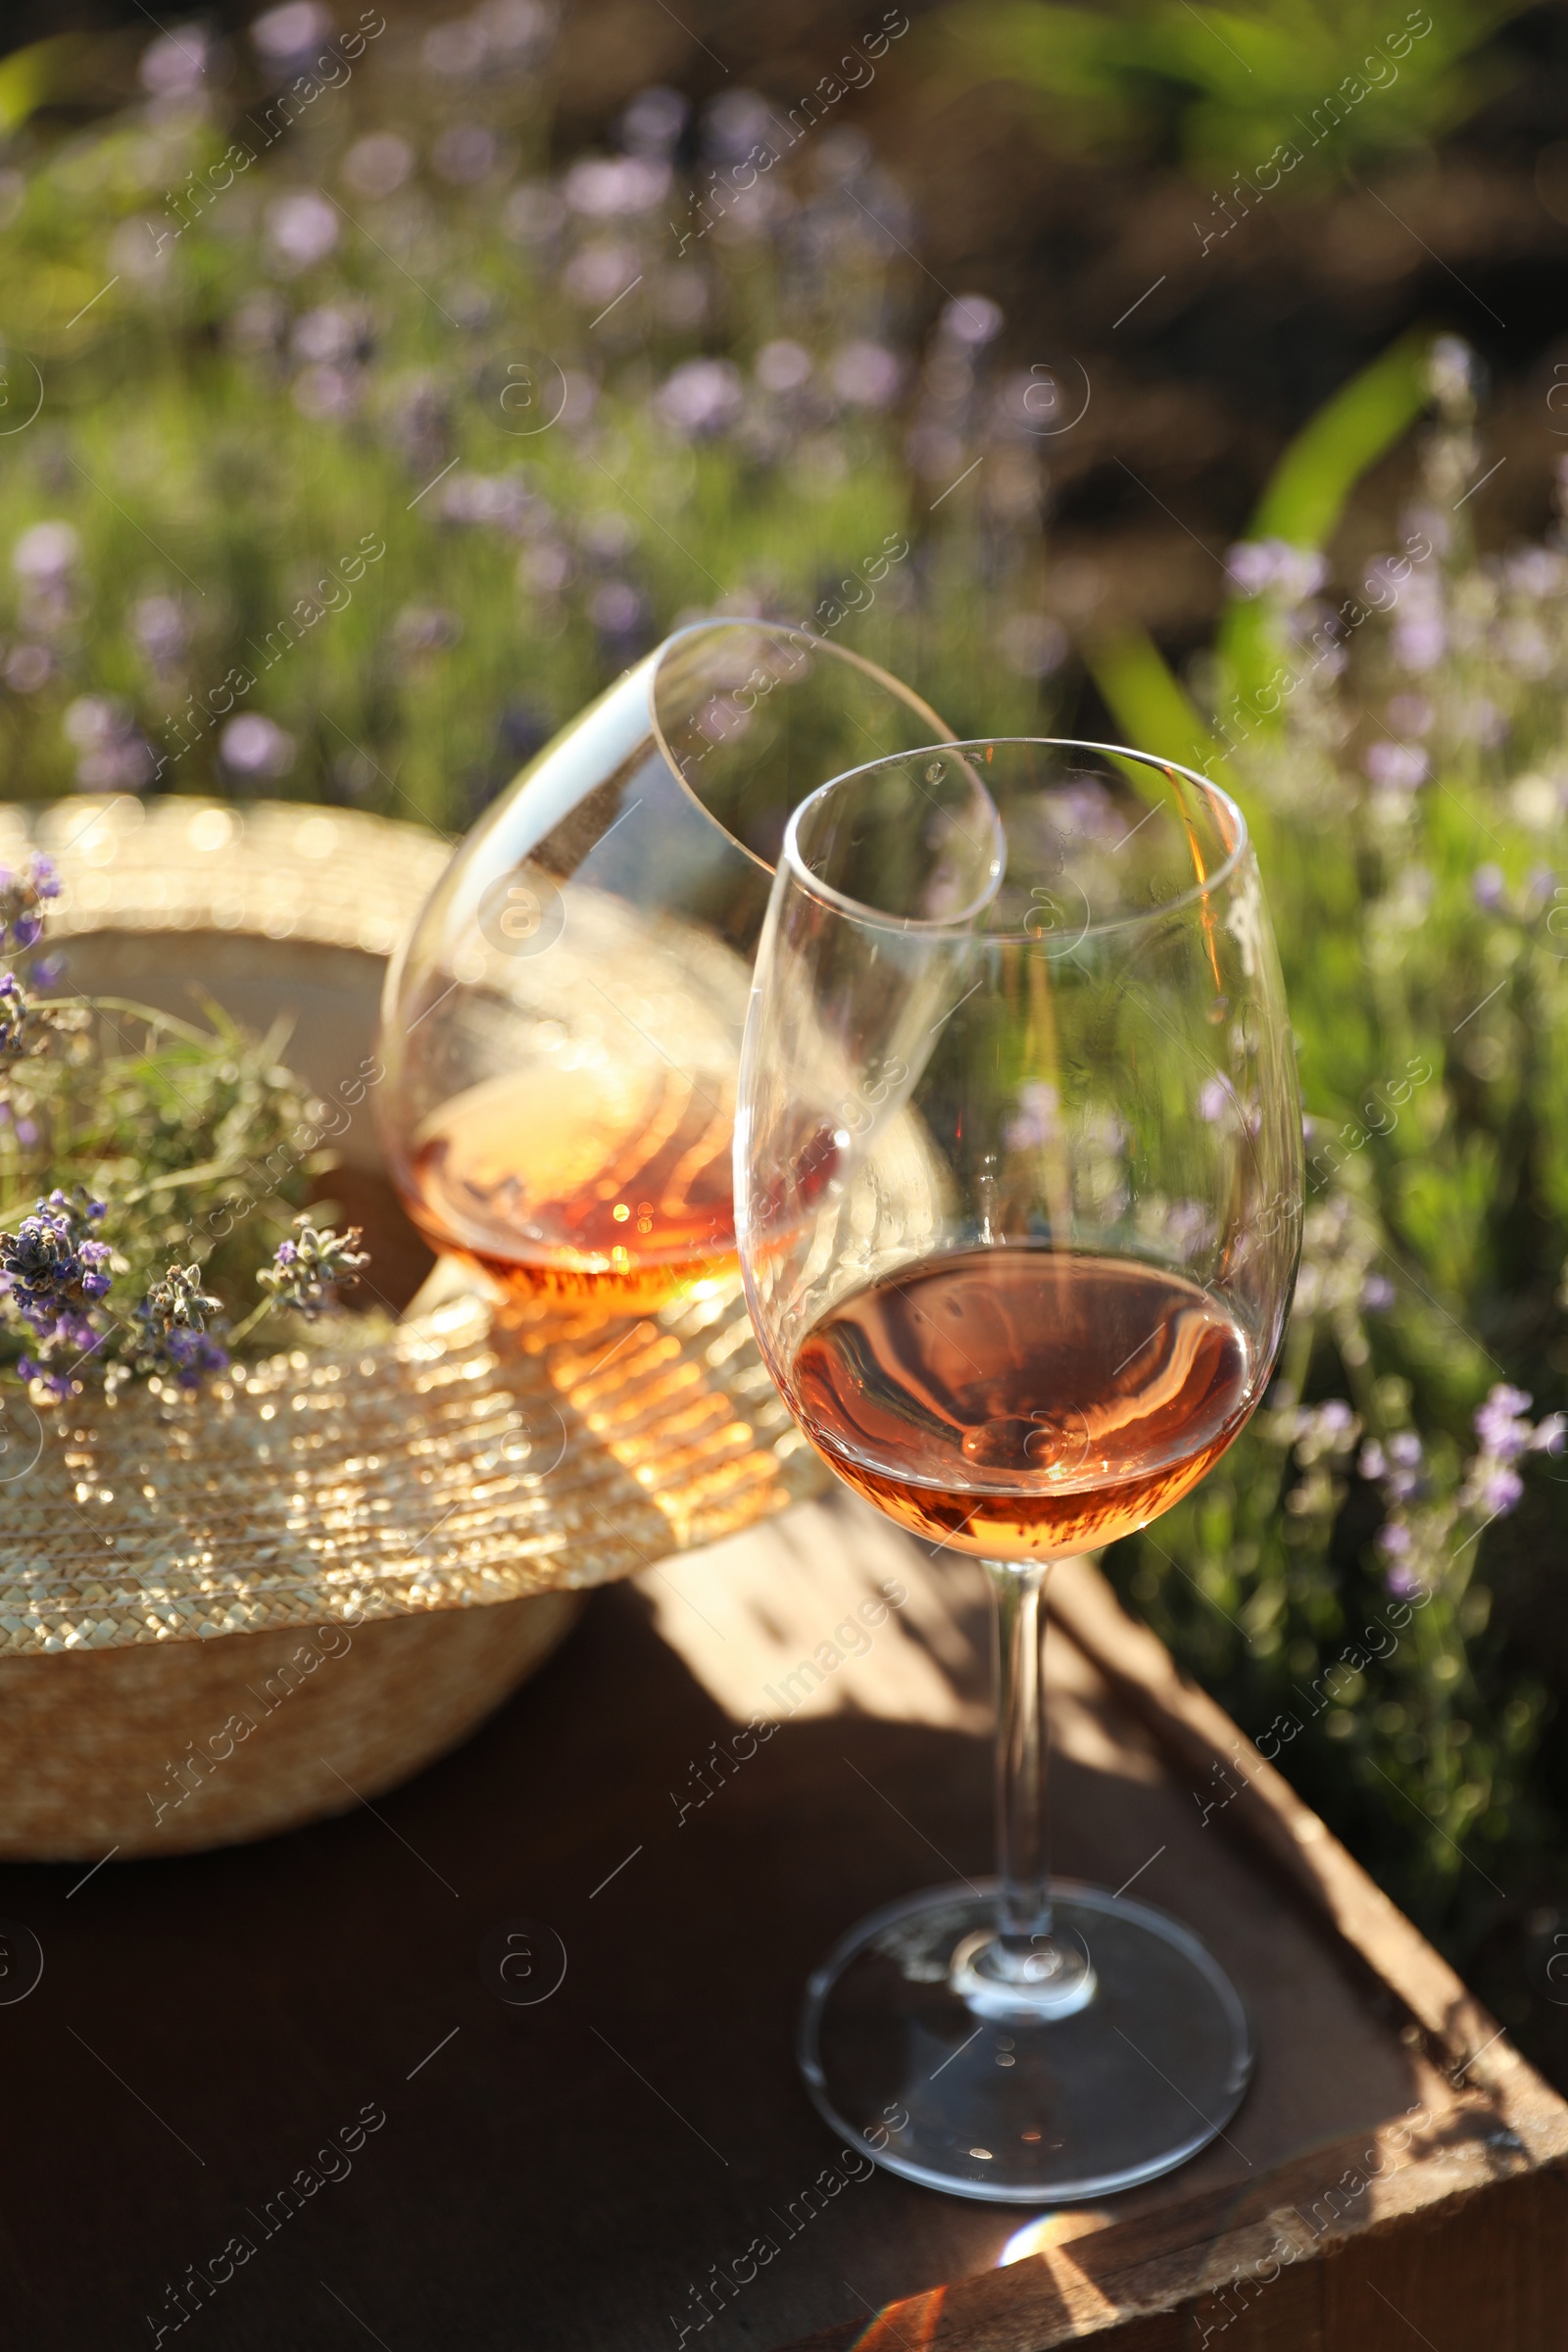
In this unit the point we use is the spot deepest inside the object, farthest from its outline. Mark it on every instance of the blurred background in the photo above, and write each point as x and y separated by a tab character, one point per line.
1052	239
376	384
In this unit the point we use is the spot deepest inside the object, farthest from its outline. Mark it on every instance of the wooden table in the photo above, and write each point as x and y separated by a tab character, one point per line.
580	2170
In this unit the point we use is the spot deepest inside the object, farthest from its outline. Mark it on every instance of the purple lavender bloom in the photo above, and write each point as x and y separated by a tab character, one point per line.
1401	1581
1394	1539
192	1356
1397	766
1377	1294
701	399
1261	567
1404	1477
1498	1490
23	898
1499	1422
309	1273
1419	641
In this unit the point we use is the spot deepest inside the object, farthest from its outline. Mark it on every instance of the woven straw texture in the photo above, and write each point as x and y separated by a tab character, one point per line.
456	1462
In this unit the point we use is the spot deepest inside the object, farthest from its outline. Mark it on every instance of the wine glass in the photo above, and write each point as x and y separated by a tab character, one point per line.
1018	1189
562	1030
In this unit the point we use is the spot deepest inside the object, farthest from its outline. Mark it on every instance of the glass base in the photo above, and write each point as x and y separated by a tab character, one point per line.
908	2052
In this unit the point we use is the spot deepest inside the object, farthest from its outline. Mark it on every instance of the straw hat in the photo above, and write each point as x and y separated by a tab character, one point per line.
156	1558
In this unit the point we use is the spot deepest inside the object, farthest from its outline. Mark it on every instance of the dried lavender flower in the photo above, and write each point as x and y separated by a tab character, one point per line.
308	1272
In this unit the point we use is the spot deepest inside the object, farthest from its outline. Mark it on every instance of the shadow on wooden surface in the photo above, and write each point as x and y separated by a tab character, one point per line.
276	2094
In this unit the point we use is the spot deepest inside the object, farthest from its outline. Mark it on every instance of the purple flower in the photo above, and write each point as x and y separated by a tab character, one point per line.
782	366
653	121
608	187
176	63
866	374
1377	1294
1488	886
617	608
51	1262
255	746
192	1355
1215	1097
114	756
1273	566
1397	766
53	1271
285	34
303	229
1420	642
46	551
1498	1490
971	319
1401	1581
1394	1539
702	398
1404	1477
377	166
1499	1423
168	1329
308	1274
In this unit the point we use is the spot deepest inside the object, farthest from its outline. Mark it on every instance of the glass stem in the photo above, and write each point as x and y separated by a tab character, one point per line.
1018	1630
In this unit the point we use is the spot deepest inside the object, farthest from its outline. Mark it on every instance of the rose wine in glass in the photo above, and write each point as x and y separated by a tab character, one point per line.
580	1195
562	1030
1062	1401
1018	1174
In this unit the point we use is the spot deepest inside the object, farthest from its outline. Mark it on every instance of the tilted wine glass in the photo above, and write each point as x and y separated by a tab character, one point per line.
1018	1182
561	1029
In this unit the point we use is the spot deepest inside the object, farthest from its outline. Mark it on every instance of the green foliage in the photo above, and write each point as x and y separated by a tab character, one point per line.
1309	490
1316	80
198	1142
1406	775
287	423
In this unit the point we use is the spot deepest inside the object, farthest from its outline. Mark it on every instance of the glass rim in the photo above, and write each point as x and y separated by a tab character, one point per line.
817	645
827	894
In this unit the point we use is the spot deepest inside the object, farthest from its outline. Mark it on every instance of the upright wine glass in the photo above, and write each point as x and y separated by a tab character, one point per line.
561	1029
1017	1173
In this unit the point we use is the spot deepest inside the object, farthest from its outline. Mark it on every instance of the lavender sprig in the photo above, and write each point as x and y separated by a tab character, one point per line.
21	903
54	1271
308	1272
168	1329
1417	1539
